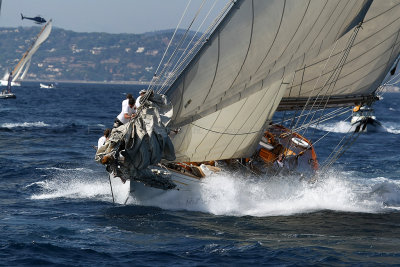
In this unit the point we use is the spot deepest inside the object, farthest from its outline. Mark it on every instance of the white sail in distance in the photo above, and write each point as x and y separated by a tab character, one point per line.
329	83
232	87
26	58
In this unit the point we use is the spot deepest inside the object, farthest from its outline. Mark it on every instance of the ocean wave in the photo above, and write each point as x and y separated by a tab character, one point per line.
227	194
24	125
66	169
346	127
337	127
80	186
391	128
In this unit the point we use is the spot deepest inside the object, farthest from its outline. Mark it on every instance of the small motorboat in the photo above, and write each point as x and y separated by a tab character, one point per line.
50	85
364	120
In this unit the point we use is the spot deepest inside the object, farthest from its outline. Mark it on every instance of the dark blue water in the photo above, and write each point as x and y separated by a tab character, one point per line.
57	210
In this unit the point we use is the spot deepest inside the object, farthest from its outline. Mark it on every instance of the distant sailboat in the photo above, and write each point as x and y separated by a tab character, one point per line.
263	56
21	69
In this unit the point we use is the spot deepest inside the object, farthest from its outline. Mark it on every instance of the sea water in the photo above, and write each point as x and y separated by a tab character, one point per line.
57	207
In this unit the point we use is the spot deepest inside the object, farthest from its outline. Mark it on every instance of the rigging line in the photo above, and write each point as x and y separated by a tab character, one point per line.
338	75
381	89
394	69
297	117
291	131
319	139
301	83
339	67
180	43
334	155
315	84
343	149
112	193
394	83
173	35
325	118
310	123
236	134
308	100
248	168
337	70
203	37
175	69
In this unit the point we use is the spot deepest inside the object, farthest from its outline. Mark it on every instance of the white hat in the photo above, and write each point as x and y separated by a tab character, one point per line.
142	91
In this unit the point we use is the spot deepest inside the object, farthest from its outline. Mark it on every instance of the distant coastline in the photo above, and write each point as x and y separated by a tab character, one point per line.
388	88
89	82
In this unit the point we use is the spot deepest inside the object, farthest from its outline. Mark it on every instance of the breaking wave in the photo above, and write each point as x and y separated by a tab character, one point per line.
392	128
346	127
24	125
227	195
337	127
224	194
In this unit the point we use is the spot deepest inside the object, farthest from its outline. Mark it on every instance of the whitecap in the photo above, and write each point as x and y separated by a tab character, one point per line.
230	194
24	125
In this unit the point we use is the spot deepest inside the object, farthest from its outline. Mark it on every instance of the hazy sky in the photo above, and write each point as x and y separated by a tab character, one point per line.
112	16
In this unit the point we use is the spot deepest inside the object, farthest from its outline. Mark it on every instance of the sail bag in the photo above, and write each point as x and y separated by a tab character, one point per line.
141	142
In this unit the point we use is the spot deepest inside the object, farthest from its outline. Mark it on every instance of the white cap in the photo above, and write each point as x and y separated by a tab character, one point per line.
142	91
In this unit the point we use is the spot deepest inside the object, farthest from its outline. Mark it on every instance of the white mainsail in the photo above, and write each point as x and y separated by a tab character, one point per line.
336	78
24	63
232	87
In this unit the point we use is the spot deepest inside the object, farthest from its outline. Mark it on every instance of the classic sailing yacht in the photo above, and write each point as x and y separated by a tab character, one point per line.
21	69
223	98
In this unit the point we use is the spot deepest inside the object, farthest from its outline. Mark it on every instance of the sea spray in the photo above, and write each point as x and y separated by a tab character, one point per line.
226	194
81	185
234	195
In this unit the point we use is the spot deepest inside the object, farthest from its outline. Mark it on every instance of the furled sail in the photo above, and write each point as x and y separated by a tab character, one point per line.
24	63
350	72
232	87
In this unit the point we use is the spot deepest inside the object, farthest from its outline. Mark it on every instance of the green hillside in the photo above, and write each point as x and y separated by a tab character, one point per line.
99	57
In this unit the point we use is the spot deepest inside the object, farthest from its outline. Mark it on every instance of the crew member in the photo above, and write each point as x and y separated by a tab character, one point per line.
126	114
141	94
125	102
104	138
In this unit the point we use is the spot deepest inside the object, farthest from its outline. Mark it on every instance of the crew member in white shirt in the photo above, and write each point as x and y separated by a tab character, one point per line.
125	102
102	140
126	114
141	94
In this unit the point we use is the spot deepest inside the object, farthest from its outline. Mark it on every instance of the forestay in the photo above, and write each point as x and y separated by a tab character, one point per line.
329	83
231	89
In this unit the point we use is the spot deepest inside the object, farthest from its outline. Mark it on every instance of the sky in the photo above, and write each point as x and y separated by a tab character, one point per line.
111	16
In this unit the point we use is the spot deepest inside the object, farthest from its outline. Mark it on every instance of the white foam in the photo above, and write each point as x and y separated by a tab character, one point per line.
24	125
346	127
225	194
66	169
228	195
81	187
393	128
337	127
